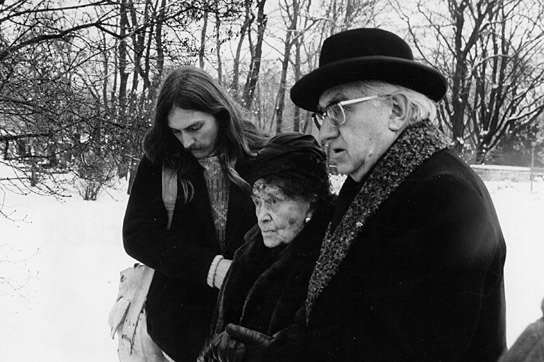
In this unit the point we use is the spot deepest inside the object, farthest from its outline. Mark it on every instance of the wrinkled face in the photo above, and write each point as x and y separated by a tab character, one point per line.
356	145
280	218
197	131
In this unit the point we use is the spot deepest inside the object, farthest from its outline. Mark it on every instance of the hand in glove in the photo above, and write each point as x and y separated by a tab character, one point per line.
224	348
251	343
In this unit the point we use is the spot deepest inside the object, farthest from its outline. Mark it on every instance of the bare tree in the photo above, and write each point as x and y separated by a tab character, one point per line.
309	27
24	15
487	51
77	82
202	50
291	12
256	53
218	47
508	81
244	29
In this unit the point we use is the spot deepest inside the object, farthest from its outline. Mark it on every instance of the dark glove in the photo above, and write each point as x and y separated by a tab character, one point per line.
224	348
254	343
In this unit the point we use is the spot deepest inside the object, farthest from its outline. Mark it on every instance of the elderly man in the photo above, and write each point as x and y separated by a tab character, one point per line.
411	267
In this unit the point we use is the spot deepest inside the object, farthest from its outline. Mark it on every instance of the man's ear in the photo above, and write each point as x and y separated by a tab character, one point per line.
399	114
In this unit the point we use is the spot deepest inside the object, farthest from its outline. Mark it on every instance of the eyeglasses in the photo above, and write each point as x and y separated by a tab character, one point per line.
335	112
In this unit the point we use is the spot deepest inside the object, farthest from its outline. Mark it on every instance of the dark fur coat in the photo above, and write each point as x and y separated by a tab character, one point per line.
266	287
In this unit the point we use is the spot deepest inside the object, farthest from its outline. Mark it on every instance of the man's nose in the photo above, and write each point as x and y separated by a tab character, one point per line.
328	131
187	140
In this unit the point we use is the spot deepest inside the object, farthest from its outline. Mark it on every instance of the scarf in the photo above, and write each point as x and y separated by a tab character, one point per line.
218	190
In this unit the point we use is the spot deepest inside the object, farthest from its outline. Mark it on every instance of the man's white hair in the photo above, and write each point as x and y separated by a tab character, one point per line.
420	107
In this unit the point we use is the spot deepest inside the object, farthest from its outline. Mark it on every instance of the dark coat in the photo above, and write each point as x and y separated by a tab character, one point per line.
179	303
266	287
414	270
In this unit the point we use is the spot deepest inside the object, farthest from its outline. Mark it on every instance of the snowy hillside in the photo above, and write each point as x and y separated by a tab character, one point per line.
62	260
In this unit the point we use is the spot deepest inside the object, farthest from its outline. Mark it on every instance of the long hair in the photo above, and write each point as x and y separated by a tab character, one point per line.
190	88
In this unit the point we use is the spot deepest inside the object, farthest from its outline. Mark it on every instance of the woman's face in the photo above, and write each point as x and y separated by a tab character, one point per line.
280	218
197	131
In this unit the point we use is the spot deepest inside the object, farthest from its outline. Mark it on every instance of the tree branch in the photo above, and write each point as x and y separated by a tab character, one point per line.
4	138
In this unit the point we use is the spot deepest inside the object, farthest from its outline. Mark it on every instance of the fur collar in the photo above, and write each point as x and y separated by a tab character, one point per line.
416	144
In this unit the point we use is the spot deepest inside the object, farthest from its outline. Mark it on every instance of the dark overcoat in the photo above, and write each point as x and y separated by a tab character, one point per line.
414	269
180	303
265	287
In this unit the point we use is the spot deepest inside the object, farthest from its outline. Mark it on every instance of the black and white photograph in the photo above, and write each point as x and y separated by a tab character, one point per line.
271	180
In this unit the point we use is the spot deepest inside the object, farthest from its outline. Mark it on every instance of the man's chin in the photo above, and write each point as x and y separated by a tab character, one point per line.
199	154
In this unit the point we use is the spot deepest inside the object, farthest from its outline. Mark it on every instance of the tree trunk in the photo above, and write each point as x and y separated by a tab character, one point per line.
297	114
123	75
202	51
257	49
291	28
160	52
245	29
218	46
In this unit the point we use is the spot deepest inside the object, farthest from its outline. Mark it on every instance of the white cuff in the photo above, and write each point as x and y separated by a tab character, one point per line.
213	270
221	272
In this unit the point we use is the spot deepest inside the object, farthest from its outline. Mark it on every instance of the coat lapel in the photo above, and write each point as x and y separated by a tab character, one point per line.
417	143
239	212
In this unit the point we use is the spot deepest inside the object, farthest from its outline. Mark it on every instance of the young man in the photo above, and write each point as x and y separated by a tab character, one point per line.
201	134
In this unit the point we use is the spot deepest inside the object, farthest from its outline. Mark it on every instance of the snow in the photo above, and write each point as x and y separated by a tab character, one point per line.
63	258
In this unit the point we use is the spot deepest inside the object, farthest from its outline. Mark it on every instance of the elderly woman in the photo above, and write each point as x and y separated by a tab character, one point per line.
268	279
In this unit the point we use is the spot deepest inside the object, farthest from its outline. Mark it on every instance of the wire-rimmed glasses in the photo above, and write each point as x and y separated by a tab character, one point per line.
335	112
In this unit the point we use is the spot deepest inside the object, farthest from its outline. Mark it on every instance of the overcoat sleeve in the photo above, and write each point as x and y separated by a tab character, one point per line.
422	283
182	252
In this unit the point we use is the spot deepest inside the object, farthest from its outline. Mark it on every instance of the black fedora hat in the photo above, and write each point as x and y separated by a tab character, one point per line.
366	54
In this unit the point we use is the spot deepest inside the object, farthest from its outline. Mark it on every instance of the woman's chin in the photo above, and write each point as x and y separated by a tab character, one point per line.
271	240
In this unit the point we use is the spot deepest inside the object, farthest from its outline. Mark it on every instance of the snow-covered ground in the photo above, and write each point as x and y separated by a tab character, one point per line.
60	262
